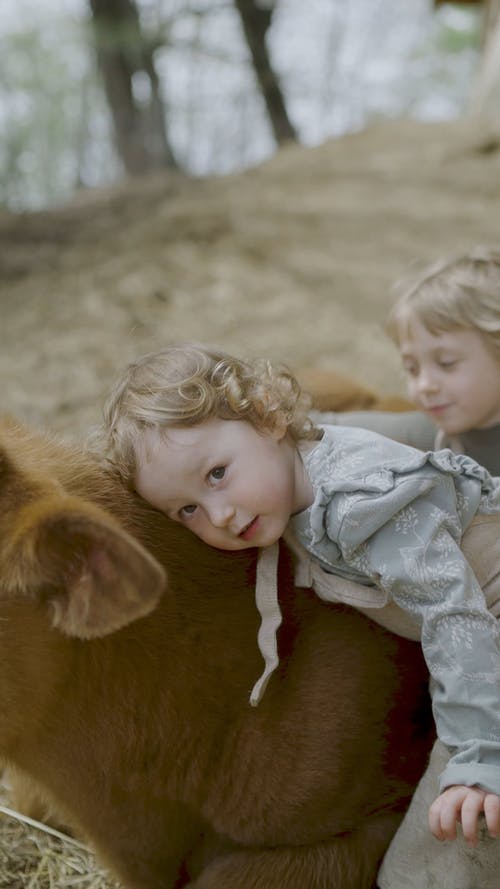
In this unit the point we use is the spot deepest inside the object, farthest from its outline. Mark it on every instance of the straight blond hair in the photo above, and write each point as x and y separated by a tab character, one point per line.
459	292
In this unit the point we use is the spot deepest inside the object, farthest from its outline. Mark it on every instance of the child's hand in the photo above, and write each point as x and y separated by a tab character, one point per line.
465	804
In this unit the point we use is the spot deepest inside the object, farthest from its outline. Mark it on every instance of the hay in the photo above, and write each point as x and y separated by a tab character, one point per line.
34	856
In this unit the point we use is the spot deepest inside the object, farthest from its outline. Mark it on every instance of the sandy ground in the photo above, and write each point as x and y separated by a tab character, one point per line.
294	259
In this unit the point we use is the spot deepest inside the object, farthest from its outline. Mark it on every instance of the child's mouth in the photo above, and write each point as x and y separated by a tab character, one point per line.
438	409
250	529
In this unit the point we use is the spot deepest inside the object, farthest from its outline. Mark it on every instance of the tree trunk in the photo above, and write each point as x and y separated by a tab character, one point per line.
256	21
486	93
122	53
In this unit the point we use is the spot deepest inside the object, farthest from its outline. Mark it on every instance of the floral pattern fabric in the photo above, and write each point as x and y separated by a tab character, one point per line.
392	517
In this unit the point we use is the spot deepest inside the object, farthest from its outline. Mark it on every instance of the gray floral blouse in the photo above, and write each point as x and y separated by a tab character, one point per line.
392	517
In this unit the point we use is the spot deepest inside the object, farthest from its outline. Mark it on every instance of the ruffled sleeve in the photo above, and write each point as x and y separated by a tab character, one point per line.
407	540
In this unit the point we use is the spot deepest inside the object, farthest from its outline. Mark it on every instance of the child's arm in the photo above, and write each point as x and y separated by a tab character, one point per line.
405	539
409	427
464	804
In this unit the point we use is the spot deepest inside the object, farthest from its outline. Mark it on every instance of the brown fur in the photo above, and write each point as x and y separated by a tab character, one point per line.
141	736
334	391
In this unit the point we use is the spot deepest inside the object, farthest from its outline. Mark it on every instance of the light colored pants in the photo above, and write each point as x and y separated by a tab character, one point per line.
415	859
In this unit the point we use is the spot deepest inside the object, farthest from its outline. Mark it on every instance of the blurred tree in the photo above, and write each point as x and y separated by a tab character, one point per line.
486	95
126	61
490	8
256	20
208	115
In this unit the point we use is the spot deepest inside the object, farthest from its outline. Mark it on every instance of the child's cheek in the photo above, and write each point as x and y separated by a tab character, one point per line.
412	390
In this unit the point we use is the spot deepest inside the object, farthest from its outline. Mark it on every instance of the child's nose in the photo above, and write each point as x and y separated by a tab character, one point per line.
426	381
221	514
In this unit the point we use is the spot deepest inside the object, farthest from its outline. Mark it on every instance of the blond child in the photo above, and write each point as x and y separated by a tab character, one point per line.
225	447
446	325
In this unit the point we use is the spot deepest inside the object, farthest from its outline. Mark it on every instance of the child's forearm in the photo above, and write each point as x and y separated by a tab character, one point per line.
421	565
409	427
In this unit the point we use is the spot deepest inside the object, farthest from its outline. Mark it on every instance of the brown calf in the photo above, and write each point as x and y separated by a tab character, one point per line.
128	707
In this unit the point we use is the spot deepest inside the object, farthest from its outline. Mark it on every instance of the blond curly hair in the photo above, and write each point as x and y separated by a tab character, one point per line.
459	292
186	384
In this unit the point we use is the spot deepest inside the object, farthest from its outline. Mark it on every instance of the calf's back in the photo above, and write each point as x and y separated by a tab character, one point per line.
127	655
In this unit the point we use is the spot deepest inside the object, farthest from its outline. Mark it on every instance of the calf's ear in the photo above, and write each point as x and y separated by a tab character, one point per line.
95	577
109	581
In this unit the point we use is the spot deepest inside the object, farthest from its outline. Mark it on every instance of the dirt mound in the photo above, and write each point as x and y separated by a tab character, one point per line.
293	259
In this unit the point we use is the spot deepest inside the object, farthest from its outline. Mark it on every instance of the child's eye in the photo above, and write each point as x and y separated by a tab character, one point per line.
447	364
187	510
217	473
410	369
